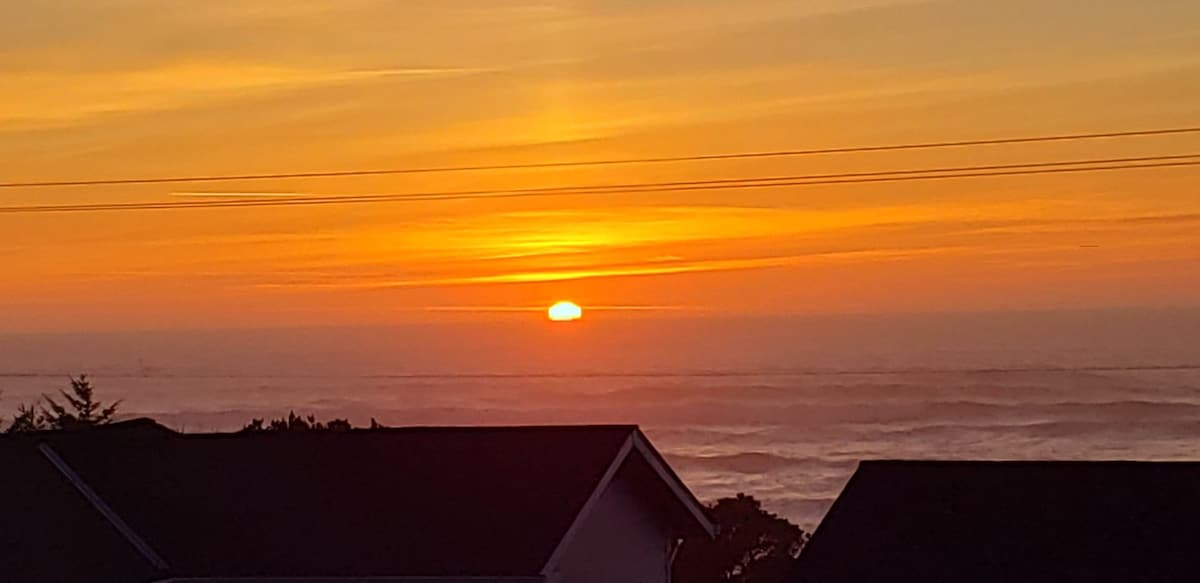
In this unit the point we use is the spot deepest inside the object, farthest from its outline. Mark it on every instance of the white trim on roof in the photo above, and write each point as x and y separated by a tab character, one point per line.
677	487
591	502
635	442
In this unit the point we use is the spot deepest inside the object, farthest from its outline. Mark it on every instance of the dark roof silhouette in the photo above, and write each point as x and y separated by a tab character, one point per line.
469	501
47	527
985	522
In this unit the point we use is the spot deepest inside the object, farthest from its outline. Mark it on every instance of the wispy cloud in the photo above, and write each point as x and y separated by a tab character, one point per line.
350	281
233	194
589	308
32	98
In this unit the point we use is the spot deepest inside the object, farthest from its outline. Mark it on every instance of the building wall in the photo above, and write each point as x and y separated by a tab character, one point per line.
621	541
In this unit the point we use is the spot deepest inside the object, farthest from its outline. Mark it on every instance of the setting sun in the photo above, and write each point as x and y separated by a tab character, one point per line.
565	312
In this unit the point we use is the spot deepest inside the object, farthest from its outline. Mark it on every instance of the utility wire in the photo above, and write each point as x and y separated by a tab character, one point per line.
608	162
904	175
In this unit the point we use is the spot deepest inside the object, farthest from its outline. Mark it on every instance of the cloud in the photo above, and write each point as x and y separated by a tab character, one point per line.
233	194
52	98
589	307
667	267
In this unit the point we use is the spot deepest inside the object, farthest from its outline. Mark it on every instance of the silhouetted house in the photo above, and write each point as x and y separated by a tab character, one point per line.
985	522
139	503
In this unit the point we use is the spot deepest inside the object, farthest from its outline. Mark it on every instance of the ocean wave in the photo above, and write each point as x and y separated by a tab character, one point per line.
1073	429
755	462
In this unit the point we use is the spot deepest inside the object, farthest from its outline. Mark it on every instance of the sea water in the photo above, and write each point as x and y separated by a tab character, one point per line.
779	407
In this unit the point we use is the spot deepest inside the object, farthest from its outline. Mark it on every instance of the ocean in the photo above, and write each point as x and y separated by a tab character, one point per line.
779	407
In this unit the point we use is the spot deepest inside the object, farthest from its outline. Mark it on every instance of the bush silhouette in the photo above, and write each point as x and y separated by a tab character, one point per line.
753	546
295	422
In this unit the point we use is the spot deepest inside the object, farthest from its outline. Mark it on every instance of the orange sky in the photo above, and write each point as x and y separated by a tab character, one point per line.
151	87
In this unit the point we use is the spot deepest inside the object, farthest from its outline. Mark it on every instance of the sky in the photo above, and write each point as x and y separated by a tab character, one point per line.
143	88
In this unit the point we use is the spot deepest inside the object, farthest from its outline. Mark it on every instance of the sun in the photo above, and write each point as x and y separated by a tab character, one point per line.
565	312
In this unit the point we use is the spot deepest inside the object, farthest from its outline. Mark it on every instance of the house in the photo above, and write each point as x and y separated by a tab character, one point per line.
137	502
985	522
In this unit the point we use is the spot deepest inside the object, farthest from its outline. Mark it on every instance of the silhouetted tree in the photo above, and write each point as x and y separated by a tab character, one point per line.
25	420
81	409
295	422
753	546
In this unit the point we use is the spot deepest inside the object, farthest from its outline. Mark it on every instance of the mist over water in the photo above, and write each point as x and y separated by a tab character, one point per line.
781	408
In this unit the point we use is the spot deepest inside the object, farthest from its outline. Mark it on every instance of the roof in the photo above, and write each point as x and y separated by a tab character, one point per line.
426	501
46	525
1009	521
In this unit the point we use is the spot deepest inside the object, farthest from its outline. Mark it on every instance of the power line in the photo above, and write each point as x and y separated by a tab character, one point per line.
608	162
657	186
725	184
741	181
904	175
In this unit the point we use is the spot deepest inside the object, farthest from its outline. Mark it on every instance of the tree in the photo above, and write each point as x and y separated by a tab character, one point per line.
26	419
295	422
752	546
81	409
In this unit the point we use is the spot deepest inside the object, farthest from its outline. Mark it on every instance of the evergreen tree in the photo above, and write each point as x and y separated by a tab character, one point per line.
26	419
81	409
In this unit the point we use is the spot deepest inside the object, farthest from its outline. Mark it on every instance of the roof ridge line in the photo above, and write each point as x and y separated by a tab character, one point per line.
466	428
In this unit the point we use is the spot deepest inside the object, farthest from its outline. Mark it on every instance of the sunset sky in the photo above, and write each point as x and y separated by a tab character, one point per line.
145	88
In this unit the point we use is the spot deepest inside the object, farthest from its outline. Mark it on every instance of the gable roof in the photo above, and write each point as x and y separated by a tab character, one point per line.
426	501
1009	521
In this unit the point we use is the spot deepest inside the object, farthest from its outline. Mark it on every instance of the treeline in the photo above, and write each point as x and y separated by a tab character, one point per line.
294	422
78	410
752	546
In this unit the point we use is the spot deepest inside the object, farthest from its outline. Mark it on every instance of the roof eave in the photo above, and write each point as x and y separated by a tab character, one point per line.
636	442
672	480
